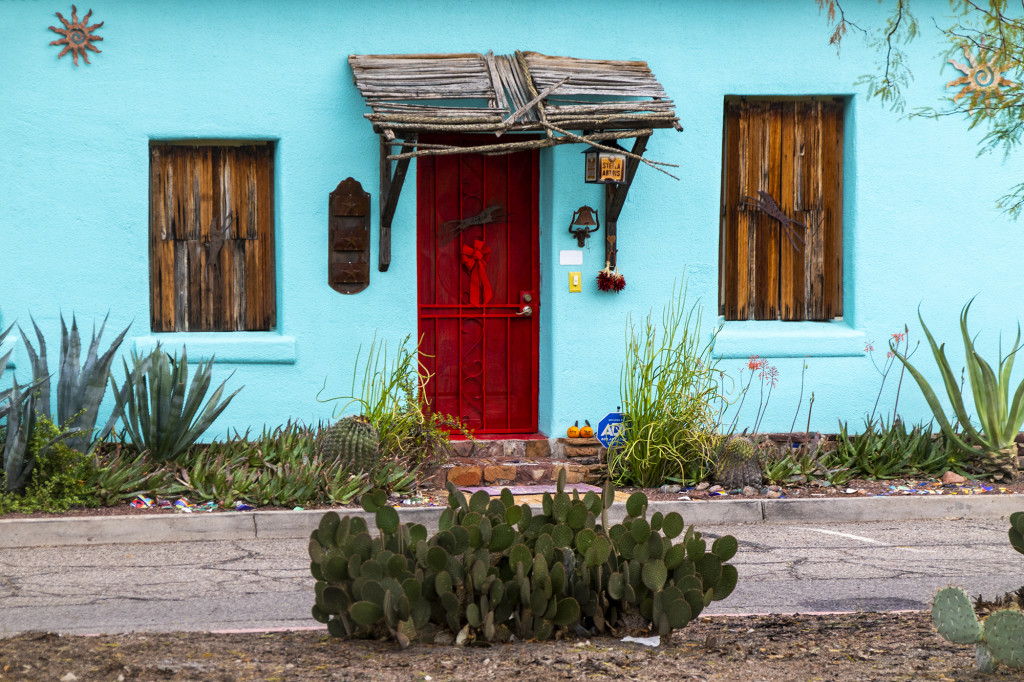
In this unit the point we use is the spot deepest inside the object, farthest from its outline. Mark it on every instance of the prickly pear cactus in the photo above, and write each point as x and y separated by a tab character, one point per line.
997	639
495	570
738	464
353	441
1017	531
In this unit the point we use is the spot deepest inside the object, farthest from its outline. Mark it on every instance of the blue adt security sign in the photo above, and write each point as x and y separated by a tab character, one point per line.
609	428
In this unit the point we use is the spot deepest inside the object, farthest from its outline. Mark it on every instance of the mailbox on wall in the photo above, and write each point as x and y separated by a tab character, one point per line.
348	266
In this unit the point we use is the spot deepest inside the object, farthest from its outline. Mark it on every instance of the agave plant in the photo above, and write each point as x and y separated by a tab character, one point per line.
1000	415
161	411
80	388
18	460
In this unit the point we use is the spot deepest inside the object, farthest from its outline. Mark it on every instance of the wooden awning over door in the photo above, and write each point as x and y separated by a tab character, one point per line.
603	100
525	91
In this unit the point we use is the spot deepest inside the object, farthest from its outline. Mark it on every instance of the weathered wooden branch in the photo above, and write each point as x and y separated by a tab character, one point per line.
508	147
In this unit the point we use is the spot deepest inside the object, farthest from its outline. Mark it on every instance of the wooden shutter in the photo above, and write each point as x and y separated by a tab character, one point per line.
211	237
793	150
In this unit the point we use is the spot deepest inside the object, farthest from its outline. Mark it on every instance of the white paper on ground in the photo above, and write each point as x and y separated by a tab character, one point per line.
646	641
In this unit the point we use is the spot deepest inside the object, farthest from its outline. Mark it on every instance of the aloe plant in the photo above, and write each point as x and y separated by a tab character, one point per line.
1000	415
161	411
80	388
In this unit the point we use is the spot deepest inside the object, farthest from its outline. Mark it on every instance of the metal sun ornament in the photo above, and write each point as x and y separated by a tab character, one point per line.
77	35
983	79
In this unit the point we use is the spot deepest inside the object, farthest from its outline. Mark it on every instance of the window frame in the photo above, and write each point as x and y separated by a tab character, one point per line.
212	235
791	148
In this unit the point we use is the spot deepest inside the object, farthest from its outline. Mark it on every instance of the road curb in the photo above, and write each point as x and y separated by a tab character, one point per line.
151	528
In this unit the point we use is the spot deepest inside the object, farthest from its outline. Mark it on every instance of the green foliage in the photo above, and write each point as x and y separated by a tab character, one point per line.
668	385
992	31
281	467
80	388
999	414
390	398
162	413
58	474
119	473
884	451
484	579
997	639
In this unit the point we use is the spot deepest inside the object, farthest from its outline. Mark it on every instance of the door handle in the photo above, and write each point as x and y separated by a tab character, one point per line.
525	312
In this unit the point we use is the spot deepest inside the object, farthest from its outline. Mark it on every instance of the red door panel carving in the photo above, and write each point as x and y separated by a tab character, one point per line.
478	287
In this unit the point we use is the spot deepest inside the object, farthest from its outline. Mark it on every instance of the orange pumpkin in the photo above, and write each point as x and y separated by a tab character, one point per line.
574	430
587	431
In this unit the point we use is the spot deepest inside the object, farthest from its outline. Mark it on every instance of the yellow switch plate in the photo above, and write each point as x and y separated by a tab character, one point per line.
574	282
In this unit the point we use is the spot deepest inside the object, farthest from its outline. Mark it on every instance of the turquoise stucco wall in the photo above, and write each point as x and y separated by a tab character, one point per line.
920	221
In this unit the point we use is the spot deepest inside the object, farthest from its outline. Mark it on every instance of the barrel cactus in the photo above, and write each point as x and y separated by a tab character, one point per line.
738	464
999	638
353	442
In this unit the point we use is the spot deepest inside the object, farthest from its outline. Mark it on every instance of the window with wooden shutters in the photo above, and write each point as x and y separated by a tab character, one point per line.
211	236
781	240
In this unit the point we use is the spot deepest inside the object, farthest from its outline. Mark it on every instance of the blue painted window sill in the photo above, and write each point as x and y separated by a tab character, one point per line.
244	348
775	339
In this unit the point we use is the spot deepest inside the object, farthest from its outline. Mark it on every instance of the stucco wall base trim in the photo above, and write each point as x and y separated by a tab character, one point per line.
776	339
244	348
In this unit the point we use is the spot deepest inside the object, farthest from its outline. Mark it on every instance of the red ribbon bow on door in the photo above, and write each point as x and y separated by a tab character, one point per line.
474	258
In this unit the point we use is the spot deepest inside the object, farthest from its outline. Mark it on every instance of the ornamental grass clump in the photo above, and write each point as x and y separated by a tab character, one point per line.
668	386
1000	415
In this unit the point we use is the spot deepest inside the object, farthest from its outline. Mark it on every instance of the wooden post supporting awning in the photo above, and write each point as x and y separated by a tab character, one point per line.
498	94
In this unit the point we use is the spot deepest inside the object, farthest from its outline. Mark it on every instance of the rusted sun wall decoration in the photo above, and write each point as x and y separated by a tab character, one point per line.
983	79
77	35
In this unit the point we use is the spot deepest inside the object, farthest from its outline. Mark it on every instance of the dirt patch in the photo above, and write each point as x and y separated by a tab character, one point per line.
848	647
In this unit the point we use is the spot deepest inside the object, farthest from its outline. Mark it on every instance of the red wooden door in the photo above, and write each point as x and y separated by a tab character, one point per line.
477	265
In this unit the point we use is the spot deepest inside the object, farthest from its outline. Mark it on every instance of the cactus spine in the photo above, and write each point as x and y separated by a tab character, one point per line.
738	465
353	441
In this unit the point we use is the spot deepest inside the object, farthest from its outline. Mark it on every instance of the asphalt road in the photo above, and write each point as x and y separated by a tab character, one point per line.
254	584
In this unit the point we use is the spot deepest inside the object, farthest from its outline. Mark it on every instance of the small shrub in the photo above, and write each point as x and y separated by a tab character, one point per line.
59	474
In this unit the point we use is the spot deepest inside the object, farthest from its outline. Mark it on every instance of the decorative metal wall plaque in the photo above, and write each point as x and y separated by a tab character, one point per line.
77	35
348	260
983	79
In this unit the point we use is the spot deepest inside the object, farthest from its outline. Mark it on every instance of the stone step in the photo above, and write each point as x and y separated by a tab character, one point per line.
581	450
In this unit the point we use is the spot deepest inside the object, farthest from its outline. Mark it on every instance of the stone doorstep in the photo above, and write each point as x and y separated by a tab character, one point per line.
543	448
467	472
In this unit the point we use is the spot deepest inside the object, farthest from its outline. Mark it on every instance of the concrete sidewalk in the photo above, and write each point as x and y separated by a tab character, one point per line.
151	528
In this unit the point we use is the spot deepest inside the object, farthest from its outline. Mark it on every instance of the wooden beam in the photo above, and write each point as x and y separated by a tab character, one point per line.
390	190
615	197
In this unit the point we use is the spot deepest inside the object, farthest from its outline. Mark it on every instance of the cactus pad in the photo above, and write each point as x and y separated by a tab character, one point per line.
1004	635
954	616
1017	531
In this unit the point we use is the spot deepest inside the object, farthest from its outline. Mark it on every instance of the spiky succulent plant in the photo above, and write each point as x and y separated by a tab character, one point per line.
738	464
352	441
